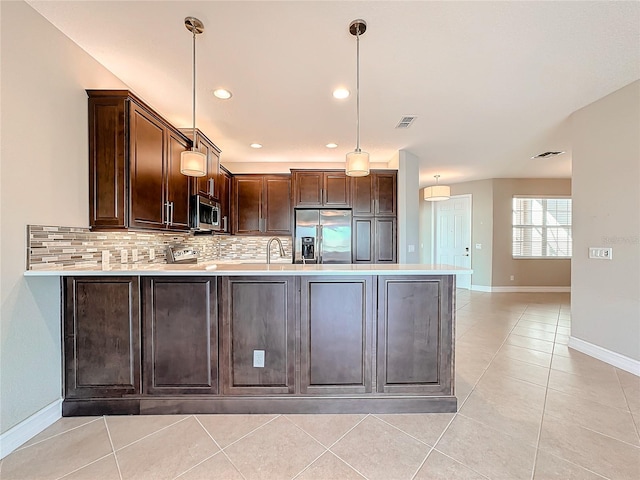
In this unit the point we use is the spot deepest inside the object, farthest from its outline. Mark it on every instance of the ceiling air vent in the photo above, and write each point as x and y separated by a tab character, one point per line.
547	154
406	121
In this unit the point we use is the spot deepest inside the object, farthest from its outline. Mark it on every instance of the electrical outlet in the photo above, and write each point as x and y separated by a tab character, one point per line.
123	256
258	358
105	259
152	253
512	278
134	255
601	253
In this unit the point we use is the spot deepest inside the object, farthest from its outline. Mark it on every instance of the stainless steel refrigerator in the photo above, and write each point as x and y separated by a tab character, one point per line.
322	236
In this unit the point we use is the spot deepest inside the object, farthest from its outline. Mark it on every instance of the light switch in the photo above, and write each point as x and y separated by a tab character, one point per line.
478	246
134	255
601	253
152	253
258	358
123	256
411	248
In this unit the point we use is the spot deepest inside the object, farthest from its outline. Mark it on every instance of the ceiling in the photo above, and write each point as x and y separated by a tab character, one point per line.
491	83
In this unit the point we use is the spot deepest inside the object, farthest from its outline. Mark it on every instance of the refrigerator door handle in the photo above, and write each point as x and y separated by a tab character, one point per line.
319	246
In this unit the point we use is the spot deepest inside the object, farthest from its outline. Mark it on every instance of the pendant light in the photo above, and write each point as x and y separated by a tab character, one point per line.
193	163
437	192
357	161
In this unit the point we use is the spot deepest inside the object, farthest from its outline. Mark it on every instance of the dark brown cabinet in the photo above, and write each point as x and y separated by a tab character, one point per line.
180	328
101	331
209	185
134	165
336	336
258	335
261	205
321	188
414	334
375	194
374	224
225	199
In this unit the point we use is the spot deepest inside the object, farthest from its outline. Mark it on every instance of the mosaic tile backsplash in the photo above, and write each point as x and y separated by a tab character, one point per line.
50	246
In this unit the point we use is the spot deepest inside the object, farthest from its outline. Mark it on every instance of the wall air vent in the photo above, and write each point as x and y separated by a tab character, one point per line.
547	154
406	121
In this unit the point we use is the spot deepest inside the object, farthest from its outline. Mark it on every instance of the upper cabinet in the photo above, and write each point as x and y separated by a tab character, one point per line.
375	194
261	205
134	165
321	188
211	184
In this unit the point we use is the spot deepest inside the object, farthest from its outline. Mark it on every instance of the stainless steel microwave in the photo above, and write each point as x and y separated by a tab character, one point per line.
205	215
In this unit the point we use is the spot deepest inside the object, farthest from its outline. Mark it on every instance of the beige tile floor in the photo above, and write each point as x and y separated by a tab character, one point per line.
529	408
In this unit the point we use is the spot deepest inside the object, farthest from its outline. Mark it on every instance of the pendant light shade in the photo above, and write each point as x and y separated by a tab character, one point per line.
437	192
193	163
357	164
357	161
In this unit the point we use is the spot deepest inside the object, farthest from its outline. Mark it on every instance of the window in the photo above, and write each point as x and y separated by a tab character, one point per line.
541	227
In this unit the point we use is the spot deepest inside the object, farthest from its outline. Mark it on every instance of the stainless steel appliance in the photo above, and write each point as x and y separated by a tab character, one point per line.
322	236
205	215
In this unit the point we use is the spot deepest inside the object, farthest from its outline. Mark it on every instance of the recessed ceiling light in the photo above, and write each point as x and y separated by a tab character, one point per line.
222	94
255	145
331	145
341	93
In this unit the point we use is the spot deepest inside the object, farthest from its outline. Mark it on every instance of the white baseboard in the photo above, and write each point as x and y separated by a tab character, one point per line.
29	428
612	358
521	289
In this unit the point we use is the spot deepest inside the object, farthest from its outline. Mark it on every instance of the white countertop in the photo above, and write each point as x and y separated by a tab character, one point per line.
235	269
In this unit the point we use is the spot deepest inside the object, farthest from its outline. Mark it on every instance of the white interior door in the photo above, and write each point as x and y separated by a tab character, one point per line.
452	235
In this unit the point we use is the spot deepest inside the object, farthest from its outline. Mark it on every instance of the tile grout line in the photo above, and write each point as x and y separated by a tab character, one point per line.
221	449
150	434
459	462
576	464
314	439
84	466
246	434
544	408
434	445
112	447
407	433
628	405
56	435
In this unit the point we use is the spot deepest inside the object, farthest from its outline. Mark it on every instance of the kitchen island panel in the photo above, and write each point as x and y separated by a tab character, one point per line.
415	334
101	332
336	334
258	335
180	317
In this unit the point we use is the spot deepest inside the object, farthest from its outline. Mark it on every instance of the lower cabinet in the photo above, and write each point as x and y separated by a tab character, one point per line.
258	344
180	332
336	330
101	330
415	334
258	335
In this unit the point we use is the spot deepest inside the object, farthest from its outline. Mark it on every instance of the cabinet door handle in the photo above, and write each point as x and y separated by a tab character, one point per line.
224	224
171	218
166	213
211	186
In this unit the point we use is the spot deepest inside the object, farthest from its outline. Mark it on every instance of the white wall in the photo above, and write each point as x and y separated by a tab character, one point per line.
605	294
44	180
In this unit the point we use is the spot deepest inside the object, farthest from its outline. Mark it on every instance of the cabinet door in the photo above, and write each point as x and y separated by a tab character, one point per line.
178	191
147	153
362	195
385	240
363	239
247	204
385	193
181	335
101	336
203	184
277	205
335	354
337	191
210	184
258	335
307	189
225	201
107	164
415	343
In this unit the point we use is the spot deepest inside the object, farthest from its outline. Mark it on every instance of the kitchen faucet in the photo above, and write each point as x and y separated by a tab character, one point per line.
282	252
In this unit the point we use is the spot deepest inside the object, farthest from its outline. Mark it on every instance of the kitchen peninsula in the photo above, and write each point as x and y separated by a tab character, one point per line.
256	338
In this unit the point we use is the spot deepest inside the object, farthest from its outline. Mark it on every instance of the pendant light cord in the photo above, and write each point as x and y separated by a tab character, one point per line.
358	89
194	90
